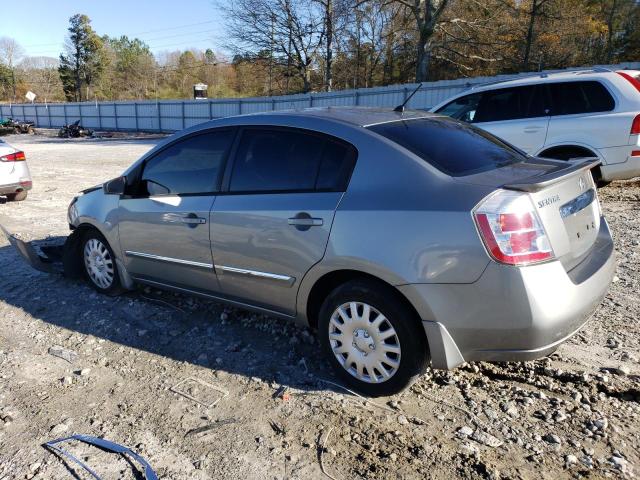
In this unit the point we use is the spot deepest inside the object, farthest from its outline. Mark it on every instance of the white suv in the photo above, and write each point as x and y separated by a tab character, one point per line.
15	179
586	113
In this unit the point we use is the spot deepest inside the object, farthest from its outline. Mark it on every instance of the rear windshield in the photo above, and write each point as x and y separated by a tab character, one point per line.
455	148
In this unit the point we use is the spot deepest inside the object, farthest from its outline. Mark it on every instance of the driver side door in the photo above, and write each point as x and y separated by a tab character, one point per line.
163	226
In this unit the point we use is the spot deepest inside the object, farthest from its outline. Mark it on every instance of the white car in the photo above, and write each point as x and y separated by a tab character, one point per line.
586	113
15	179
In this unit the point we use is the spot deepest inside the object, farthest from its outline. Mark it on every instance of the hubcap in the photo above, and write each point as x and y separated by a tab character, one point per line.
98	263
364	342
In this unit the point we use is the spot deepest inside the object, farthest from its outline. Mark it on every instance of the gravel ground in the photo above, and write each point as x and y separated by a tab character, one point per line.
574	414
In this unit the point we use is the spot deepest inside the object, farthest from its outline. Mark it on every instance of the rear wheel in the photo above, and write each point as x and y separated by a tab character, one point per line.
372	339
100	264
18	196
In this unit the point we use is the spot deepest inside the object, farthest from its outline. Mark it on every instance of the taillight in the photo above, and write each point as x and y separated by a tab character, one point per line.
635	126
632	80
511	229
13	157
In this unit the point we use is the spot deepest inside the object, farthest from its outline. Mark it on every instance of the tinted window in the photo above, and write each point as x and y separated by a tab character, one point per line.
463	108
290	160
188	166
509	104
453	147
580	97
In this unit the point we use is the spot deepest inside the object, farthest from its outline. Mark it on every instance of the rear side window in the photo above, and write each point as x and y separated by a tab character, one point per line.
282	160
509	104
188	166
455	148
580	97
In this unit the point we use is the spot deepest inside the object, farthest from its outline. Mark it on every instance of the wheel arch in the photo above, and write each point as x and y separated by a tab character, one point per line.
329	281
566	151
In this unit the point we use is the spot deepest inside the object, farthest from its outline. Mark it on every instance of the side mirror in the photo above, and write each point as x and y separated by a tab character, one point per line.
115	186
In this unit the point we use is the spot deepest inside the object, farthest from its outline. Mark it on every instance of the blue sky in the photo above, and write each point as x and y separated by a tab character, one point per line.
40	26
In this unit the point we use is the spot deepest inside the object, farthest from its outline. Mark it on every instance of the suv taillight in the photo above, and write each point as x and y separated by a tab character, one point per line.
635	126
632	80
511	229
13	157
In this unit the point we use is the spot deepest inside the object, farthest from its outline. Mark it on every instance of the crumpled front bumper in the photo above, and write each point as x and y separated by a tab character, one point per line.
48	258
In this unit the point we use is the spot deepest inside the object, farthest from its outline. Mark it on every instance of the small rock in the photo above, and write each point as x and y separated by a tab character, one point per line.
570	459
34	467
67	380
601	423
486	439
393	457
464	432
85	372
552	438
618	462
402	420
622	370
58	430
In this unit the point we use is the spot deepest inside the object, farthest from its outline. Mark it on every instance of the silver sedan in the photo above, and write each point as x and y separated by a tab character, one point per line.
404	238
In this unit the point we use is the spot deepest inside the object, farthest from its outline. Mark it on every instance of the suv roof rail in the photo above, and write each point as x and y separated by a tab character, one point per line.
515	76
543	74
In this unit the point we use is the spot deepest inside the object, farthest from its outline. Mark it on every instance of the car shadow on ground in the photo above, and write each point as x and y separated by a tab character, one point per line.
175	326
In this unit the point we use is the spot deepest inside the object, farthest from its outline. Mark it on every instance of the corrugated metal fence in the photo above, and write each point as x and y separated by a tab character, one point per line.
172	115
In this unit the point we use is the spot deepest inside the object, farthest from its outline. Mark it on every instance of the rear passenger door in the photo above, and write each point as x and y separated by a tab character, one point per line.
519	115
271	223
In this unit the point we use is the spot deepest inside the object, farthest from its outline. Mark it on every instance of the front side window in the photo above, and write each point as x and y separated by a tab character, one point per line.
580	97
455	148
281	160
189	166
463	108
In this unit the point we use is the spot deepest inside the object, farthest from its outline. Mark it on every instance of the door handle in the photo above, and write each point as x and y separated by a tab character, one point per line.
303	221
192	220
532	129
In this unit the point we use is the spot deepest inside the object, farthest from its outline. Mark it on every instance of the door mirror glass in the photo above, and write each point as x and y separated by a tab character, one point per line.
155	188
115	186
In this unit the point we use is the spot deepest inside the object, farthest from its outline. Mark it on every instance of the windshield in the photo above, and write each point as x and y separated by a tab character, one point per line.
455	148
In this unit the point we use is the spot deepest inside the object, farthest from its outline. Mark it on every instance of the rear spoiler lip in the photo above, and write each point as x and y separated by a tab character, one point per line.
554	177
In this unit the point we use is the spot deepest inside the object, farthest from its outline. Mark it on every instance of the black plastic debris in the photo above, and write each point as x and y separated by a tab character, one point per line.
102	444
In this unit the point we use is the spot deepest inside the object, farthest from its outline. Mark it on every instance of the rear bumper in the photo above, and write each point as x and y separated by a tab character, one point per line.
513	314
621	171
15	187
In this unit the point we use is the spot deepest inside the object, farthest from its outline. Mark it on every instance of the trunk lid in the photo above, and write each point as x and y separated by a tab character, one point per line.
564	196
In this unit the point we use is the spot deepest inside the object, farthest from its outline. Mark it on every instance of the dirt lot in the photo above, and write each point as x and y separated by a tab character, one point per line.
575	414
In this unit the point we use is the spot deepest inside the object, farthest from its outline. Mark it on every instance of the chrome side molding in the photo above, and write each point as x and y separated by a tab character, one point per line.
254	273
159	258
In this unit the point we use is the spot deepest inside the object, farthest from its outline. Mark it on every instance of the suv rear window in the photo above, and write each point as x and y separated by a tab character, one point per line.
455	148
580	97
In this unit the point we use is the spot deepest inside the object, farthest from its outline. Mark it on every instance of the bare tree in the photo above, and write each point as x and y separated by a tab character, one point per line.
293	28
10	54
426	14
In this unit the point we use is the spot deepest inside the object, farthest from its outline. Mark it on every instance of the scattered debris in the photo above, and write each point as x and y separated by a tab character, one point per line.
102	444
188	388
322	447
279	429
282	393
61	352
211	426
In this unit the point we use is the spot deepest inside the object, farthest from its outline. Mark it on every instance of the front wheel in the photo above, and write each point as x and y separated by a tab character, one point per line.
372	339
100	264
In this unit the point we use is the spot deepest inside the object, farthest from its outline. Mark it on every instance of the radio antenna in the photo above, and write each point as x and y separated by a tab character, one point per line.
400	108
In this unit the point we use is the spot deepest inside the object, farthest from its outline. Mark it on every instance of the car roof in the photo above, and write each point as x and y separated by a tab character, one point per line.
356	116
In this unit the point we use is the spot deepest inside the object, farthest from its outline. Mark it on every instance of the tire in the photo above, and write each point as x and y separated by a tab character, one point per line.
405	348
17	197
99	264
